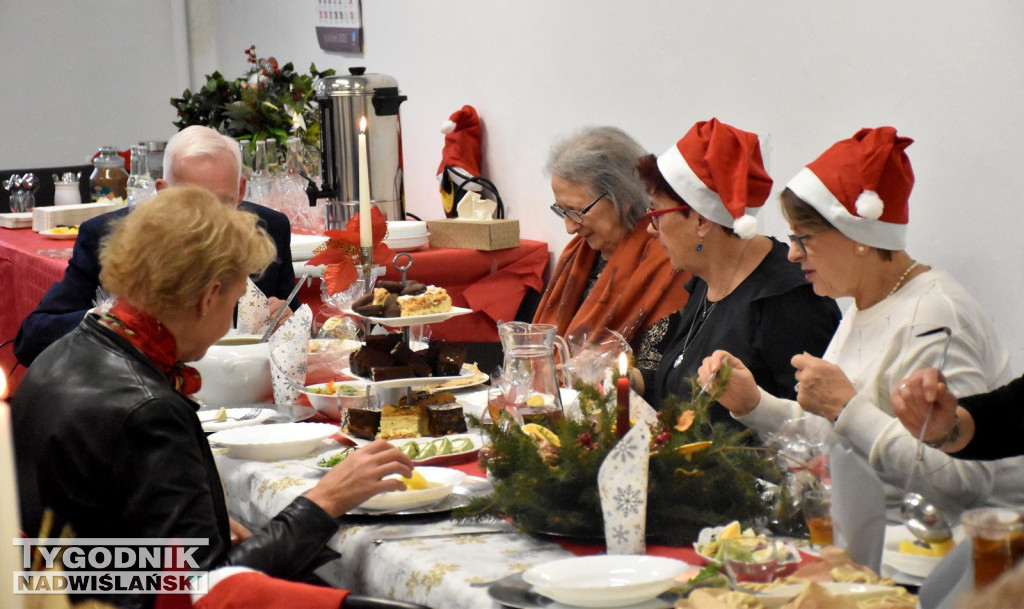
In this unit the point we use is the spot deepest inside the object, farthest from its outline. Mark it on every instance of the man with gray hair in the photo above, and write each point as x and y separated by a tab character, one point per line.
198	156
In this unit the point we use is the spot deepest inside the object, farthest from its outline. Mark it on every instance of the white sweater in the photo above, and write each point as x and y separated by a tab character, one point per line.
877	348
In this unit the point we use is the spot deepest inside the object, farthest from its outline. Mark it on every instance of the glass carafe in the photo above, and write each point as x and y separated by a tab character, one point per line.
529	365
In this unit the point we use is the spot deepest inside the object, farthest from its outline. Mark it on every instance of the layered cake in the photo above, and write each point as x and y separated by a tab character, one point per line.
391	299
402	422
363	422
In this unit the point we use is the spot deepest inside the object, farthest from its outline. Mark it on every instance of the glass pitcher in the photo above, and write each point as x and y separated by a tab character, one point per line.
530	367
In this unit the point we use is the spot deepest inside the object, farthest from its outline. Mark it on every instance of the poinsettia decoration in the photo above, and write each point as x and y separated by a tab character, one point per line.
341	252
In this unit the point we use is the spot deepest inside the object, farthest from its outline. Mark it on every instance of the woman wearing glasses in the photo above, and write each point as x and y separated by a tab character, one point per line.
612	274
849	210
744	296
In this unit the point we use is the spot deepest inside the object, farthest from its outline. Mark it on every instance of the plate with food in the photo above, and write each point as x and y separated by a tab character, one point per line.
446	450
414	381
462	382
60	233
776	596
412	320
911	556
217	419
428	486
709	546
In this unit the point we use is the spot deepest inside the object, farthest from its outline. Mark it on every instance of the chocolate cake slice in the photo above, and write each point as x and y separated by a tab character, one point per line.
387	373
363	422
446	357
444	419
407	357
363	361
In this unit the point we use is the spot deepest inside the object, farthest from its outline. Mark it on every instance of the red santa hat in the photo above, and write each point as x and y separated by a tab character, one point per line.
717	169
862	186
462	141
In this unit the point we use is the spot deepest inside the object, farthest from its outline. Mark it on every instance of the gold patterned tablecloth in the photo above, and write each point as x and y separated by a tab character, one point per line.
451	568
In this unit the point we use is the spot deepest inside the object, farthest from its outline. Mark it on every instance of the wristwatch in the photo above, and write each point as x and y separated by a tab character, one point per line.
951	437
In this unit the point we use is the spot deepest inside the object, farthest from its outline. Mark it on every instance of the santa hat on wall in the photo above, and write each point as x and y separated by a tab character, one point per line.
862	186
461	141
718	170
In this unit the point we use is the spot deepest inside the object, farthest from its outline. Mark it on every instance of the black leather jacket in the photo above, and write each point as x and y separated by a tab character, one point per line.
103	439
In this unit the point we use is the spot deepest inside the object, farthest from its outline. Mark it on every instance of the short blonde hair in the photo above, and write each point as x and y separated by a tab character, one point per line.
162	255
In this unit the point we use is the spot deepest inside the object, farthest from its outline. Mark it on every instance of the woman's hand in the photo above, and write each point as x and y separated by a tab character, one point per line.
360	476
910	401
822	387
273	306
239	532
741	394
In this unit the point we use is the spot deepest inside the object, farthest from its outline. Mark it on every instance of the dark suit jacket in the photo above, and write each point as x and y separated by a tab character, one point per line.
65	303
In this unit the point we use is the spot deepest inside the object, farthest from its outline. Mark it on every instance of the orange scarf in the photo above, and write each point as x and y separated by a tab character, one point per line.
636	288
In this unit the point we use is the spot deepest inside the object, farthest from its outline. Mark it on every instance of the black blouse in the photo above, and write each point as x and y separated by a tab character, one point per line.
771	316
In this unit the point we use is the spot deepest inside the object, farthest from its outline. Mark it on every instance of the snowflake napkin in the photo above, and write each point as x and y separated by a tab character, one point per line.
622	483
253	311
289	349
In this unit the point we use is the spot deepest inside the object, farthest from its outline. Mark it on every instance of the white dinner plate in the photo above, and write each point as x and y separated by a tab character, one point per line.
909	564
273	442
211	425
414	381
415	320
777	597
443	480
50	234
605	581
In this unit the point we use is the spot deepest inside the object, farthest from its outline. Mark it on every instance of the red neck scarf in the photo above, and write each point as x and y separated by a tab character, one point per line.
155	342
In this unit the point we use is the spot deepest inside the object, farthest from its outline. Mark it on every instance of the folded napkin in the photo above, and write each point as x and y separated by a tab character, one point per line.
858	507
472	207
951	577
289	350
253	311
622	483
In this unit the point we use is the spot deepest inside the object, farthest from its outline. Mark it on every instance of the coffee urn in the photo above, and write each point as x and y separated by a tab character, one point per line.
343	101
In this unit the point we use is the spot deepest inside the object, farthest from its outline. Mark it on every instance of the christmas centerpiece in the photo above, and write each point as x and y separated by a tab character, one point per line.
545	475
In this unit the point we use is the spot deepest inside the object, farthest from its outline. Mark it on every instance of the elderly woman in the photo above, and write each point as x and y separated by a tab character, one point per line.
983	426
106	435
848	211
744	296
612	274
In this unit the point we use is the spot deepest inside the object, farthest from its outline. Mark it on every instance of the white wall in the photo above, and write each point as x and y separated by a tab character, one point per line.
804	72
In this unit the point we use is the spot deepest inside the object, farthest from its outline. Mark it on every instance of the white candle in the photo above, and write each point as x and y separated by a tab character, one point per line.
365	224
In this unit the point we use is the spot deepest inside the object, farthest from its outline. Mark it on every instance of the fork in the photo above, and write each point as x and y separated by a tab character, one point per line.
251	414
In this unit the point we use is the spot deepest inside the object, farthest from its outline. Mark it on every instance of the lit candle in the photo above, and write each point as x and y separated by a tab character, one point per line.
365	224
622	396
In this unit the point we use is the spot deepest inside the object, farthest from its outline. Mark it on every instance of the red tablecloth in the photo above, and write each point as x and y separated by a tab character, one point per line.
493	284
29	264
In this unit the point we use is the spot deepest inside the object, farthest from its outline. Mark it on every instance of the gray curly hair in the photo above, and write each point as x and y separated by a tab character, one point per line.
604	159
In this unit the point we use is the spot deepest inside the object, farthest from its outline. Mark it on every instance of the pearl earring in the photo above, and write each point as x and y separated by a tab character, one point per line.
860	249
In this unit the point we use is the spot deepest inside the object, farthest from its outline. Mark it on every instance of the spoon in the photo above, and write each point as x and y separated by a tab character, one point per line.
921	517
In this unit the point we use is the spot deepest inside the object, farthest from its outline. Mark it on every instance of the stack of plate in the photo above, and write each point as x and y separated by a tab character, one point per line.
303	245
406	235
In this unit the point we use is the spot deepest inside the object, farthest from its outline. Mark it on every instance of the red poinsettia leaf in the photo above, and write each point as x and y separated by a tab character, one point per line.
340	276
380	225
330	256
350	235
383	254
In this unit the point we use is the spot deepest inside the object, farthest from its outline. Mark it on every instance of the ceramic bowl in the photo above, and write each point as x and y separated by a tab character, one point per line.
333	397
605	581
273	442
236	370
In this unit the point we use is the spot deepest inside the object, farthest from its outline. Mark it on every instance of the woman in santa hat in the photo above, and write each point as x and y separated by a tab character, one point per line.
848	211
612	274
744	296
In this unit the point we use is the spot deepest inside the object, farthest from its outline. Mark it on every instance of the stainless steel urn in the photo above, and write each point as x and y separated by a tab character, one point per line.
343	101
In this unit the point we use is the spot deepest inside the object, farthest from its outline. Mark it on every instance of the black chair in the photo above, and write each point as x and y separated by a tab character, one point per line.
358	601
44	195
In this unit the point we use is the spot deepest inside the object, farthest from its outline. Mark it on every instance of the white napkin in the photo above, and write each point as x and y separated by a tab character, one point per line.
253	311
289	349
622	483
472	207
858	507
951	577
640	411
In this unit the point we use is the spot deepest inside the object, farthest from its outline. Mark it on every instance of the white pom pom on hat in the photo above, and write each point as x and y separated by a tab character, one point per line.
869	205
745	227
448	126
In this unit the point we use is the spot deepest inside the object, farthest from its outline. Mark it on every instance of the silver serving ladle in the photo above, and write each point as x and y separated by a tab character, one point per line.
921	517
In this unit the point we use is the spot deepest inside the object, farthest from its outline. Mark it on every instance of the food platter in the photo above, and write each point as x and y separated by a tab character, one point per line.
413	381
415	320
448	459
59	236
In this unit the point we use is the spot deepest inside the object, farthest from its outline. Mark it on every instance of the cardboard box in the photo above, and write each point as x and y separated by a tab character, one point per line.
486	235
46	218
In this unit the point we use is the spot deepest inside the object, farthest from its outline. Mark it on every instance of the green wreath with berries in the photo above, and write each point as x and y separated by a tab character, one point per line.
700	474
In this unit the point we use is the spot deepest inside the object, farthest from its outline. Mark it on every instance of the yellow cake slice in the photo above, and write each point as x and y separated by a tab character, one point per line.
402	422
433	300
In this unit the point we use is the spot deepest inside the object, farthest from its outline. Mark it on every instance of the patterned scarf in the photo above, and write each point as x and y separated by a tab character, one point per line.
155	342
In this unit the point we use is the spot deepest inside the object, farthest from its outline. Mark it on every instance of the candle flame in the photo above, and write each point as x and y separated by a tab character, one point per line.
3	385
623	364
362	125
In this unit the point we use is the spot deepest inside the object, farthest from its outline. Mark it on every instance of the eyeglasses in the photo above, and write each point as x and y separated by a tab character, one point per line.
654	214
572	214
799	241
